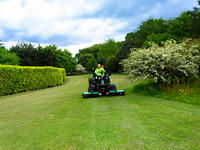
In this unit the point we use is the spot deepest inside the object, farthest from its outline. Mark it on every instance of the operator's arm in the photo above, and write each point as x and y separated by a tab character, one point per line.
97	71
103	71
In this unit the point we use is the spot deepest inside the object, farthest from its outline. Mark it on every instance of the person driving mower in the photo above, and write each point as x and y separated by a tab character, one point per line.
99	71
100	85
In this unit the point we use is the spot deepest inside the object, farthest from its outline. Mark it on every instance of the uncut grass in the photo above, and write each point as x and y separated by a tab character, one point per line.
58	118
182	92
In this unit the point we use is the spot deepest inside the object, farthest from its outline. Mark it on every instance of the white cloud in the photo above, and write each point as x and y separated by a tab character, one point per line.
82	28
76	47
74	21
1	33
9	44
14	12
45	18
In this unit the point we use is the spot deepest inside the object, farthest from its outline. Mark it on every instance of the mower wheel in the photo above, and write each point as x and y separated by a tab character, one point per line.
85	96
91	88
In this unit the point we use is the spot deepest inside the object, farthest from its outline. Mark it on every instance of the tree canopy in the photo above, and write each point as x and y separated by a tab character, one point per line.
8	58
159	30
44	56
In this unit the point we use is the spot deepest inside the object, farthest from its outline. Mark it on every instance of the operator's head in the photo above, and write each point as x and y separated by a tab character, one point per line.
99	65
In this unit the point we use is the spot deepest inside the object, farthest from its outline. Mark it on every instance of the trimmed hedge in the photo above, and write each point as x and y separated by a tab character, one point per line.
15	79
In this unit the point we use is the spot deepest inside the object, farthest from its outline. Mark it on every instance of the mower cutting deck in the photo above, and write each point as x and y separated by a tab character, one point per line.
100	85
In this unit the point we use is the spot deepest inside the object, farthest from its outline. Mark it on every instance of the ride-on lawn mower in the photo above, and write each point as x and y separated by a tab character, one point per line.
100	85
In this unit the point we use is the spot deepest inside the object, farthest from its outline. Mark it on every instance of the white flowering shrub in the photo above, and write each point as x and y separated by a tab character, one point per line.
172	62
80	68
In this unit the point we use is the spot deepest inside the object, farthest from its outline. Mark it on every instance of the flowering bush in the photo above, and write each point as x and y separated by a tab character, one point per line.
80	68
172	62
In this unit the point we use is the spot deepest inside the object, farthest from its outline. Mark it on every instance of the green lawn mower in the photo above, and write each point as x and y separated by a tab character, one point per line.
100	85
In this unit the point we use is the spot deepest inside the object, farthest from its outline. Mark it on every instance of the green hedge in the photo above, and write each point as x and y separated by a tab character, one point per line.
15	79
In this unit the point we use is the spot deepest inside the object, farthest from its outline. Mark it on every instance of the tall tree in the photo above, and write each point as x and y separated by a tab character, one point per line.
94	49
44	56
47	56
136	39
83	59
65	60
26	52
8	58
109	48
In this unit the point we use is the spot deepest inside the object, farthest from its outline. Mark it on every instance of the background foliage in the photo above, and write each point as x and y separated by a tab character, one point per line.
44	56
8	58
107	49
112	64
186	25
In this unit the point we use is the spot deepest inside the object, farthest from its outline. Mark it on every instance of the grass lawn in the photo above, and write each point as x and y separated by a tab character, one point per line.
58	118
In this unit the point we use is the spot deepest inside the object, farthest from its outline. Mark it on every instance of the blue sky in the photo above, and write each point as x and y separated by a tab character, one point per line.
75	24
